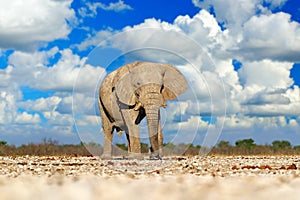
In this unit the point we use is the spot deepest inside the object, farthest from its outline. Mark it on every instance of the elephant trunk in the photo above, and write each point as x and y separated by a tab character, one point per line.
152	113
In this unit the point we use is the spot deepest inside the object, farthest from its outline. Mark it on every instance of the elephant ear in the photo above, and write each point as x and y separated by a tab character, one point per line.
174	83
123	85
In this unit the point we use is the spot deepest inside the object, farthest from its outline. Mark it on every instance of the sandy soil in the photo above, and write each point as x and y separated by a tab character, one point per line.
211	177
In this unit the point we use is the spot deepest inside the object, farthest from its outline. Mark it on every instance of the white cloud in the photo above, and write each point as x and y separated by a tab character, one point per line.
239	122
35	59
41	104
8	97
91	8
24	24
5	75
202	24
275	3
117	6
89	120
236	12
274	110
251	32
192	124
263	39
293	94
235	122
242	8
94	40
54	118
31	70
266	74
26	118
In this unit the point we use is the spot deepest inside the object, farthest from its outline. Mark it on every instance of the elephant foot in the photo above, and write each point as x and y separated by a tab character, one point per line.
135	156
106	156
155	156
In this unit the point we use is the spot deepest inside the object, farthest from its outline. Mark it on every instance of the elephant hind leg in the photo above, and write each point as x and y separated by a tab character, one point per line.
108	135
107	149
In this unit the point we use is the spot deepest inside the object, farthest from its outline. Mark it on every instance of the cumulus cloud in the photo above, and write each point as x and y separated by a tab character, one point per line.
235	122
8	103
267	98
41	104
54	118
26	118
194	123
24	24
30	69
261	39
237	12
250	30
266	74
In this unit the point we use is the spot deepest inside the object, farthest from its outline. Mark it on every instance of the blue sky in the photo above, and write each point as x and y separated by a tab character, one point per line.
241	58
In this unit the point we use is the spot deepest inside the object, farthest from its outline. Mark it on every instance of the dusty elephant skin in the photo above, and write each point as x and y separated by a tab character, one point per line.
135	91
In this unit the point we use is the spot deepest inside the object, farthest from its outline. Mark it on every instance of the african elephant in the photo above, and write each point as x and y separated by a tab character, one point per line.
132	92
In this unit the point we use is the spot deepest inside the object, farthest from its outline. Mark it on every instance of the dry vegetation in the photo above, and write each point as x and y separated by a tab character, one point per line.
241	147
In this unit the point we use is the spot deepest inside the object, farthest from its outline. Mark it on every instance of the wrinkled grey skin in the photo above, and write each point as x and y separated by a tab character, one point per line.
132	92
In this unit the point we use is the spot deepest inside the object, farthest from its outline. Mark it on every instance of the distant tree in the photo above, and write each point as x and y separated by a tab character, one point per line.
223	144
3	143
169	145
246	143
283	144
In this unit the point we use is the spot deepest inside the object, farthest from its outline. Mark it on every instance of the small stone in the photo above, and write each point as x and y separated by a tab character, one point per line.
234	167
292	166
110	163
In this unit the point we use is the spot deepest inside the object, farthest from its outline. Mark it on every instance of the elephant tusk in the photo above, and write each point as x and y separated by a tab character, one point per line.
138	106
120	132
164	105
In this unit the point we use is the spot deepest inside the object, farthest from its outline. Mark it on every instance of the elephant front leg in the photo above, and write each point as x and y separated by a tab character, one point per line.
133	135
134	143
156	139
155	149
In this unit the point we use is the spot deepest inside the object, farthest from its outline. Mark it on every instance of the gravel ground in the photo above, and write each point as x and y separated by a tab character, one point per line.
211	177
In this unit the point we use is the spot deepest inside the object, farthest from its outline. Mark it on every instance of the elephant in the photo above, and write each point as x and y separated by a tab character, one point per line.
129	94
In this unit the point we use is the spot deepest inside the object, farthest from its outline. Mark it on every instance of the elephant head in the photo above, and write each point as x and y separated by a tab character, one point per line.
147	86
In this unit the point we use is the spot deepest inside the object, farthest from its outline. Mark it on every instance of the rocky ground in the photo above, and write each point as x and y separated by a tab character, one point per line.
211	177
